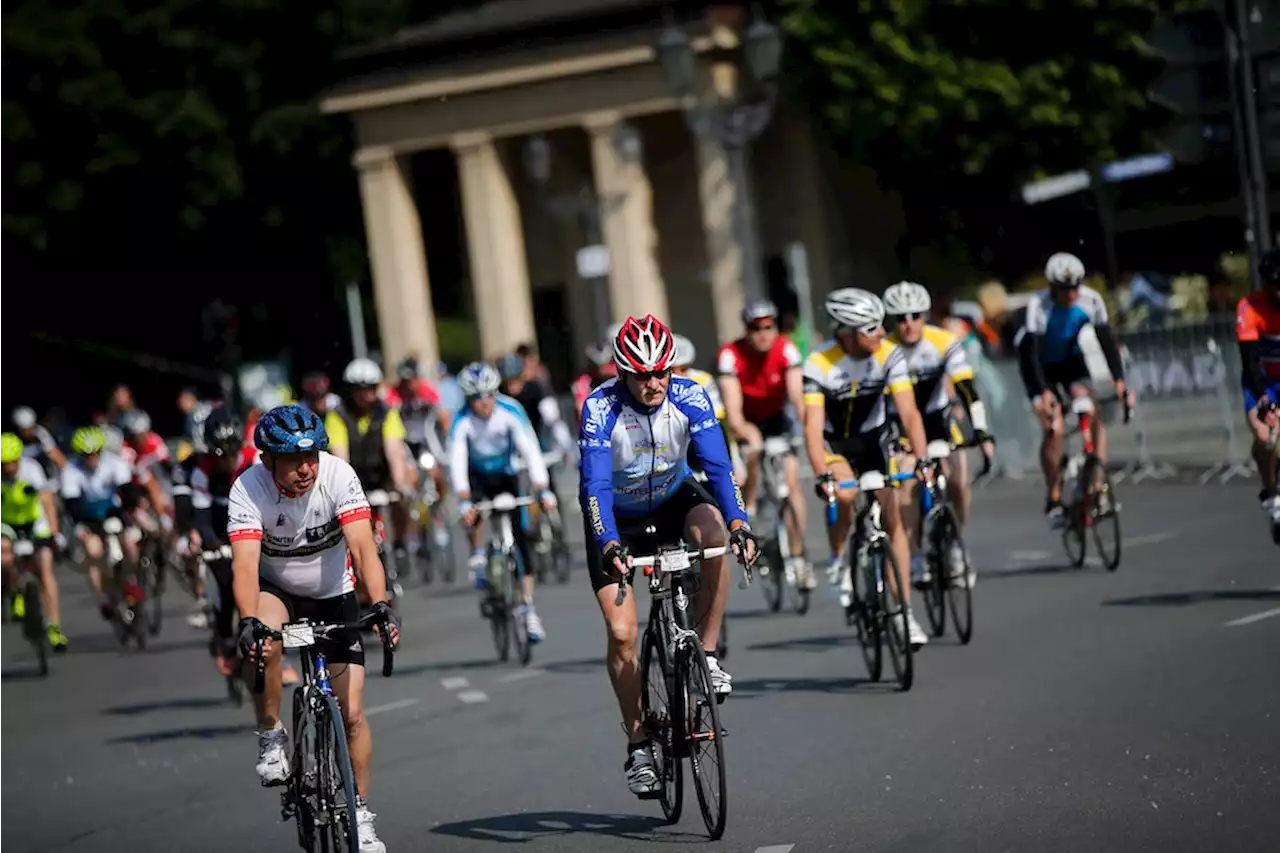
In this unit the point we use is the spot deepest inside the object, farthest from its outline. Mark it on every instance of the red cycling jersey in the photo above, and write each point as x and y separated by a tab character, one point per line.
763	376
1258	319
144	454
587	382
423	392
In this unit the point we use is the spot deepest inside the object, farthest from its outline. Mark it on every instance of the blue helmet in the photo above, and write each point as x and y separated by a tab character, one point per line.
290	429
510	366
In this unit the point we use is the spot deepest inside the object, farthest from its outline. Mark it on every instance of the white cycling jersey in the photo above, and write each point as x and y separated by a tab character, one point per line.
490	445
96	488
303	549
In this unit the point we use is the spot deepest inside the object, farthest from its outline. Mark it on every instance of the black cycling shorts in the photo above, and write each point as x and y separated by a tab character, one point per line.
339	648
1061	375
865	452
782	424
486	486
28	533
668	522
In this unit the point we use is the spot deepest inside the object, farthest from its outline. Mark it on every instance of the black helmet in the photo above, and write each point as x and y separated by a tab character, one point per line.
407	368
223	432
1269	266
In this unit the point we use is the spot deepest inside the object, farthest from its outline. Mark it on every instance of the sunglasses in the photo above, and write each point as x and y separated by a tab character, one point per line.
761	327
869	329
914	315
645	376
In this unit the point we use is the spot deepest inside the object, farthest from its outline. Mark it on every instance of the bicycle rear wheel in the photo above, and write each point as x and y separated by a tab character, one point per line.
894	612
660	707
152	580
865	620
33	627
706	740
773	584
935	591
1101	513
799	593
336	787
959	588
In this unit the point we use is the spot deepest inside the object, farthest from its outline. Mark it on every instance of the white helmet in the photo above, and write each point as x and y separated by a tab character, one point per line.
362	373
858	309
907	297
686	353
478	379
1064	268
24	417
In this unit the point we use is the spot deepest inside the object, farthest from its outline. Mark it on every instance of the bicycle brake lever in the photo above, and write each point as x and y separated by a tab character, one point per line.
622	593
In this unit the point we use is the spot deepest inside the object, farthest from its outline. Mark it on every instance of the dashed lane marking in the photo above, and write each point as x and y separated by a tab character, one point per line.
455	683
776	848
471	697
1255	617
520	675
391	706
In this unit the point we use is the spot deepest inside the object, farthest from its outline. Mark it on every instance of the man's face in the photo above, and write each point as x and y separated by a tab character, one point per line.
296	472
482	407
648	388
1065	294
513	387
862	342
530	367
317	403
910	328
92	460
364	398
762	333
186	402
26	433
9	470
122	397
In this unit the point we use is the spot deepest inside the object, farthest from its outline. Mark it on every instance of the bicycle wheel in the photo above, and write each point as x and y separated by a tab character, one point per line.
773	576
893	610
705	739
299	797
660	709
1102	513
959	589
500	626
935	591
517	626
33	627
865	620
152	580
799	594
336	786
559	548
1073	541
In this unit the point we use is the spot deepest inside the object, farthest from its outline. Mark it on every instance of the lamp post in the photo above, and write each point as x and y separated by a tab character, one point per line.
729	99
584	208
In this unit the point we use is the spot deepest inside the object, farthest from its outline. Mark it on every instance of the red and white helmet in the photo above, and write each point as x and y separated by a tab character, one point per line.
643	346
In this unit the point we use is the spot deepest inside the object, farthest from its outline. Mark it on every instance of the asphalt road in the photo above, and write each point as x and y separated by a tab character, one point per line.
1130	711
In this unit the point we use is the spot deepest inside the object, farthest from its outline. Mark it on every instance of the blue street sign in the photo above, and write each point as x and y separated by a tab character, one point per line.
1137	167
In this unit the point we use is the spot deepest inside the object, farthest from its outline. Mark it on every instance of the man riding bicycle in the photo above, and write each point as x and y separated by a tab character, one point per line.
1053	366
486	440
933	356
637	493
301	536
760	374
425	418
37	442
370	435
681	365
29	512
201	490
846	428
1258	334
539	404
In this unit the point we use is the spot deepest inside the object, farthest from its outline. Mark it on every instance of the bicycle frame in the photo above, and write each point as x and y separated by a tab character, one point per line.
502	536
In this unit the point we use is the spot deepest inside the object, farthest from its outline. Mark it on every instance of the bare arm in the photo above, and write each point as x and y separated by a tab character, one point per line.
795	391
396	461
364	557
50	507
912	423
815	415
731	396
245	554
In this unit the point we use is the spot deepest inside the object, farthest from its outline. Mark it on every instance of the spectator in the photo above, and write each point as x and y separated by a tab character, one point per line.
534	369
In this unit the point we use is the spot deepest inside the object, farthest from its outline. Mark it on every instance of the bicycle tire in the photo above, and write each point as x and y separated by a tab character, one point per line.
1073	537
893	610
337	791
499	626
33	627
560	558
298	796
959	594
706	729
154	590
800	595
518	624
662	723
770	566
935	591
866	626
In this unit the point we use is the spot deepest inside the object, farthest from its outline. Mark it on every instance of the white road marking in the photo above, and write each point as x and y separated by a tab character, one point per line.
1256	617
1019	556
1150	539
521	675
455	683
776	848
392	706
471	697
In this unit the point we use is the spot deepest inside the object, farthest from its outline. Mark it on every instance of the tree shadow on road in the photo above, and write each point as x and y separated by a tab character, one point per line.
538	826
181	703
1182	599
185	733
757	687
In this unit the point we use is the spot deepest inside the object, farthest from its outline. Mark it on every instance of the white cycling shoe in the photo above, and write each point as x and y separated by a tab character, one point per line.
273	757
915	633
721	681
533	625
369	841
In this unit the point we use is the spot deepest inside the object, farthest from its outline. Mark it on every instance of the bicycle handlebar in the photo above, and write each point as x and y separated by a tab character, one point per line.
694	554
322	631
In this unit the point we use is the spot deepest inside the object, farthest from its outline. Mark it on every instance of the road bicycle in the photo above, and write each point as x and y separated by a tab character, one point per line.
939	536
550	548
680	710
776	515
130	615
32	591
876	607
434	536
1089	496
504	576
320	793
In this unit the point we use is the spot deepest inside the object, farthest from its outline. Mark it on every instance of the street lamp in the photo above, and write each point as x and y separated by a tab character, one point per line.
729	102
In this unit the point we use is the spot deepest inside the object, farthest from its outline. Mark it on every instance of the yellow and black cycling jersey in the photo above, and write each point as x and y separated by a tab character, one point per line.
853	390
20	504
708	382
335	424
936	355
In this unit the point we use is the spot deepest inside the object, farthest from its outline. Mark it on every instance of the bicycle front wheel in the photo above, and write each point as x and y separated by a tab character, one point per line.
660	707
773	583
800	593
959	585
1101	513
33	621
932	538
1073	535
893	609
518	624
863	605
153	586
337	784
706	740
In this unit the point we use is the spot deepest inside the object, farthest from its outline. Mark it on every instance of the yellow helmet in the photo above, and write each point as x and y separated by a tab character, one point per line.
10	448
88	440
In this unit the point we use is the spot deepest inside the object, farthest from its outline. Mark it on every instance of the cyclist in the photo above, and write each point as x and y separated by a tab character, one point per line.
370	434
760	374
423	415
1258	333
1053	367
635	437
37	442
316	395
96	485
933	355
482	449
300	533
600	369
30	512
846	428
540	406
201	489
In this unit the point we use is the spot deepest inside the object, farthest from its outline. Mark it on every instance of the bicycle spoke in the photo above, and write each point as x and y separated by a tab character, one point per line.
706	741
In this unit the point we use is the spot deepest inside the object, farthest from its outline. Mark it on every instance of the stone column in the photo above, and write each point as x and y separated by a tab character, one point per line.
495	245
402	292
725	258
626	218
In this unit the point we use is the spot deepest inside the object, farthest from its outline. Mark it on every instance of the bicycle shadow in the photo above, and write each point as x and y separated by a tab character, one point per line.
101	644
807	644
1183	599
538	826
182	703
448	666
184	733
1033	571
756	687
25	673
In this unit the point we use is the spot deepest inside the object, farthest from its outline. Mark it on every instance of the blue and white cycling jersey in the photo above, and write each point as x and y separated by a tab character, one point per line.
490	445
1059	328
96	489
635	458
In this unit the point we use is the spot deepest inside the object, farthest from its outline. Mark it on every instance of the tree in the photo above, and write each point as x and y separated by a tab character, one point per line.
956	102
